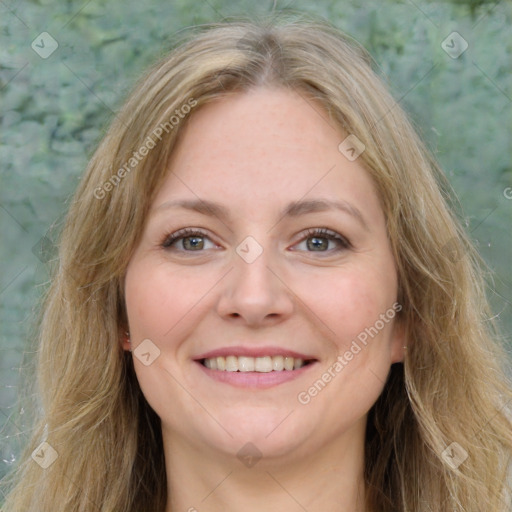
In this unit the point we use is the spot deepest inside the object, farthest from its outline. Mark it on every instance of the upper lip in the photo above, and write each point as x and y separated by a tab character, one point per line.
241	350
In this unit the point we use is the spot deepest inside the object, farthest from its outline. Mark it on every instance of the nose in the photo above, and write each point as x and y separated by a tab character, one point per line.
255	293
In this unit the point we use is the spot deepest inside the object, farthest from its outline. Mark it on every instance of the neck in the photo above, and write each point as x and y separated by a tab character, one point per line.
200	478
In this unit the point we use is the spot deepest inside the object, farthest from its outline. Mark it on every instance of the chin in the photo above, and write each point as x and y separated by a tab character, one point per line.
263	435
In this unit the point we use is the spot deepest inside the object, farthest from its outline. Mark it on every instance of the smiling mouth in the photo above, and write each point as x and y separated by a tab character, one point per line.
264	364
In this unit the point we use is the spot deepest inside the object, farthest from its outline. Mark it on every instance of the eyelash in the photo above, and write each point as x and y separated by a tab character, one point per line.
182	233
309	233
326	233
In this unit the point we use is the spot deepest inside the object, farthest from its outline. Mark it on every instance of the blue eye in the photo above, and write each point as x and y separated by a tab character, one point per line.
318	240
192	239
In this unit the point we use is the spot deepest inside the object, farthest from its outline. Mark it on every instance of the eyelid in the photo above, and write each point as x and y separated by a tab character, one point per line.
173	237
329	234
318	232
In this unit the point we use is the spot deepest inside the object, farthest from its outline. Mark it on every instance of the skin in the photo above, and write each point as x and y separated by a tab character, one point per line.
255	152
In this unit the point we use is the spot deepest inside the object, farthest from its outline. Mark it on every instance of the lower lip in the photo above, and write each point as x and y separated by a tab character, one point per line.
257	380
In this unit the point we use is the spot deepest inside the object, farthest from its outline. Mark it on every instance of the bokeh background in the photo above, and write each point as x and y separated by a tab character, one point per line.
66	66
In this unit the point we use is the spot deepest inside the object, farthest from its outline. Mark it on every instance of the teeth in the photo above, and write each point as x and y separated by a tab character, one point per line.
254	364
246	364
263	364
221	363
278	363
231	364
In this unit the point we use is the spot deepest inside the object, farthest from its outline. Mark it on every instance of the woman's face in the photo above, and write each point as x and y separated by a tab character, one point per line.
269	273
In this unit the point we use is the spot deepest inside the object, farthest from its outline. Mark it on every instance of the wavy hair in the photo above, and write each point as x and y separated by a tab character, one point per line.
452	386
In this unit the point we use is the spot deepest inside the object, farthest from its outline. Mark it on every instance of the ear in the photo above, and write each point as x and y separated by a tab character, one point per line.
398	342
124	337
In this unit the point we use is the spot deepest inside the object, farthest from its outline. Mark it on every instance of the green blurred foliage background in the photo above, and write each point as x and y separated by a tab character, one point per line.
55	110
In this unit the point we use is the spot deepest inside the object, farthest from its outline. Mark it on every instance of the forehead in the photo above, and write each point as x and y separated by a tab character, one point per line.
264	121
264	145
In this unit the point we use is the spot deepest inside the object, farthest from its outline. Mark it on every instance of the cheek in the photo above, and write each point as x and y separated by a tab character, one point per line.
158	299
352	304
349	301
161	306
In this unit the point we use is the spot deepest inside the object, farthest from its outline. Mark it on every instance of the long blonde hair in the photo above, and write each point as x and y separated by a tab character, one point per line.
448	398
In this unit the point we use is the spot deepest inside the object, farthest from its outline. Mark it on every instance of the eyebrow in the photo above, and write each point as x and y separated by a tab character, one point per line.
293	209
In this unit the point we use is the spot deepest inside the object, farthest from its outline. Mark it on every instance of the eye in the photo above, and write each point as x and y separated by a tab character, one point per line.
319	239
315	239
191	240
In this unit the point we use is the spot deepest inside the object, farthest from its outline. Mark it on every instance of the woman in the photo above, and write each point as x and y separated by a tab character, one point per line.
198	353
